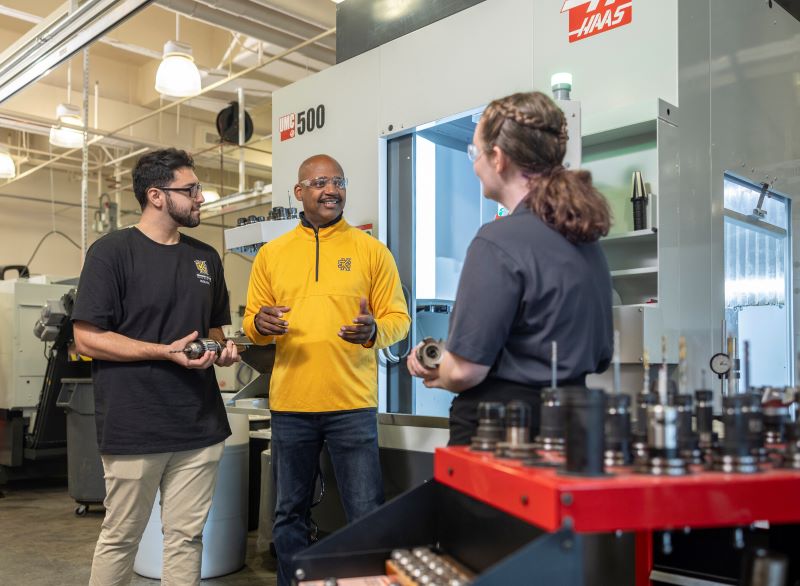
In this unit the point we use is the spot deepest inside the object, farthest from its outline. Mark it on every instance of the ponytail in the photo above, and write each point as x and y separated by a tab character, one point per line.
569	203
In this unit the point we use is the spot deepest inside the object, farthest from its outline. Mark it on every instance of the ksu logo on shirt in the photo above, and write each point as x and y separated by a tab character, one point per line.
202	272
344	264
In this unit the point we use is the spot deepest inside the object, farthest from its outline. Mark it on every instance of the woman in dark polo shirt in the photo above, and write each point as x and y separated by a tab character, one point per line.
531	278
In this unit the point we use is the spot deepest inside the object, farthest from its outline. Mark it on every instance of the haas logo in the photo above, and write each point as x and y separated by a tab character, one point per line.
591	17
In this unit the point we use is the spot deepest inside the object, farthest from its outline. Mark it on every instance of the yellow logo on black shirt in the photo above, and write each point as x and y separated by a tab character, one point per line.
202	272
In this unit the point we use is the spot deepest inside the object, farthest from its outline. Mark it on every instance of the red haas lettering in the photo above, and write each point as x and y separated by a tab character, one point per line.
286	126
591	17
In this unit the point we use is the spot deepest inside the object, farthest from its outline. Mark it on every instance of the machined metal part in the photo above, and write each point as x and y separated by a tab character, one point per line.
517	444
663	457
791	456
639	450
704	418
618	430
734	453
422	565
767	568
688	445
755	426
491	426
430	352
279	213
777	416
643	401
740	464
200	346
551	422
584	419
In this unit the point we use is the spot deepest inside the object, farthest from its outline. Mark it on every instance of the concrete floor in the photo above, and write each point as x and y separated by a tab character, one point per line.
43	542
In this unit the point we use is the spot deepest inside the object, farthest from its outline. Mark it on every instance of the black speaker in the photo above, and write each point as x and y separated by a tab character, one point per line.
228	124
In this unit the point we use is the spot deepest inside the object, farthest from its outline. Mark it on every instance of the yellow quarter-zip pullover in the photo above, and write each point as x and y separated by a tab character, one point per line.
322	276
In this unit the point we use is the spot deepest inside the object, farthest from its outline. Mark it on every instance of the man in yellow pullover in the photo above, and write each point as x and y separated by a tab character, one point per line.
329	296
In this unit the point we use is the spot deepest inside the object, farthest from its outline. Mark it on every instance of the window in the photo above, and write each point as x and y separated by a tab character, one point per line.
758	280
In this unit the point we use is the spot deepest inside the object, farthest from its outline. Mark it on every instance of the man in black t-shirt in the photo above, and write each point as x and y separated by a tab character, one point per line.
144	292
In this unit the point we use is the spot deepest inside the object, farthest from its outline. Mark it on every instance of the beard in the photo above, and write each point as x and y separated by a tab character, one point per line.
182	218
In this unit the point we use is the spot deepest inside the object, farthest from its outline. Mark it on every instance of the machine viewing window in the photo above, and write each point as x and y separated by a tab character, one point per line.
432	184
758	279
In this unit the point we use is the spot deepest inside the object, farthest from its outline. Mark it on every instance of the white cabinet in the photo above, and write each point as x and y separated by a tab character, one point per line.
643	263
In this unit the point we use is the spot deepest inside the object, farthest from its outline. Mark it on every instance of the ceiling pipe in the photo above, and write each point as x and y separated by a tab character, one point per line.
270	18
157	111
222	19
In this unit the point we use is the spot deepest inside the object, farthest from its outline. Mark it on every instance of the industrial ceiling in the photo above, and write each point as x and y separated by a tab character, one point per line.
229	39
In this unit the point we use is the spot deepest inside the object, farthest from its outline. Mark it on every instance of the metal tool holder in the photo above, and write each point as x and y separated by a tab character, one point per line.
491	426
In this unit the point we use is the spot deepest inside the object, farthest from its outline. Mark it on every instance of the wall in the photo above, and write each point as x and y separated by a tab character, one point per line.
738	91
461	63
754	55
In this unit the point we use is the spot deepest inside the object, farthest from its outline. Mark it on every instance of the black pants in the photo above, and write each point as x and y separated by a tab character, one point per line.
464	409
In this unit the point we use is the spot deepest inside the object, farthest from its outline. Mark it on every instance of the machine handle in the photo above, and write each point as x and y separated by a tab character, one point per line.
21	269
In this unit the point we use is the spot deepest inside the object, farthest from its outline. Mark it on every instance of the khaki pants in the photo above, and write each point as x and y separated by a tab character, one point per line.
187	481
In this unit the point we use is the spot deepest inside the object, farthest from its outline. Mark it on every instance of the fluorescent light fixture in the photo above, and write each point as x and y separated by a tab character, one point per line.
8	170
63	136
69	114
66	33
178	76
210	195
338	1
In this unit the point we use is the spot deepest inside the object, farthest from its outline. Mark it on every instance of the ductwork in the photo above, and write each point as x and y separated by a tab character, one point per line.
229	21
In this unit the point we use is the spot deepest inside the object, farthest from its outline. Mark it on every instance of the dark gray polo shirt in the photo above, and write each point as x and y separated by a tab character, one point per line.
523	286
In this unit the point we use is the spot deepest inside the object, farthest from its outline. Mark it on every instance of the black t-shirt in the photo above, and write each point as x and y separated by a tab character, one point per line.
158	293
523	286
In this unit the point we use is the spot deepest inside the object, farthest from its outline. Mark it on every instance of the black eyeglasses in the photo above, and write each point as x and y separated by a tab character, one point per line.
320	182
192	192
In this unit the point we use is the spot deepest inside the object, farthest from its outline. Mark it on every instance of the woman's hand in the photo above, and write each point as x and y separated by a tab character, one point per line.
429	376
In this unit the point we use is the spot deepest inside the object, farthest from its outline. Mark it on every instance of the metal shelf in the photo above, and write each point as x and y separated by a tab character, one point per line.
638	272
635	235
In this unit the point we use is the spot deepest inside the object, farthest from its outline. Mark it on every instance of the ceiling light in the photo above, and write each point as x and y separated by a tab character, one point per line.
8	170
69	114
210	195
63	136
178	76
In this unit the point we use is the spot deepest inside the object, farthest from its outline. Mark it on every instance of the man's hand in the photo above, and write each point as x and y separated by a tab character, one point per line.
364	330
203	362
429	376
268	321
229	354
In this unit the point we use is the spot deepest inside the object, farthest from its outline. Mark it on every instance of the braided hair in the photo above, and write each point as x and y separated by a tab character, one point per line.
532	131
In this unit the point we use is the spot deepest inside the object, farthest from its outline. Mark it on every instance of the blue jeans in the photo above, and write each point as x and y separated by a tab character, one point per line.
297	438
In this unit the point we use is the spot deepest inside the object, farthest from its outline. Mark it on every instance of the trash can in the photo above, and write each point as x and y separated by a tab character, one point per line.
84	467
225	532
266	511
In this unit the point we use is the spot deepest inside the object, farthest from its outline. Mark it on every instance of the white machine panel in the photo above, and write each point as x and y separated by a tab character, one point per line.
22	356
